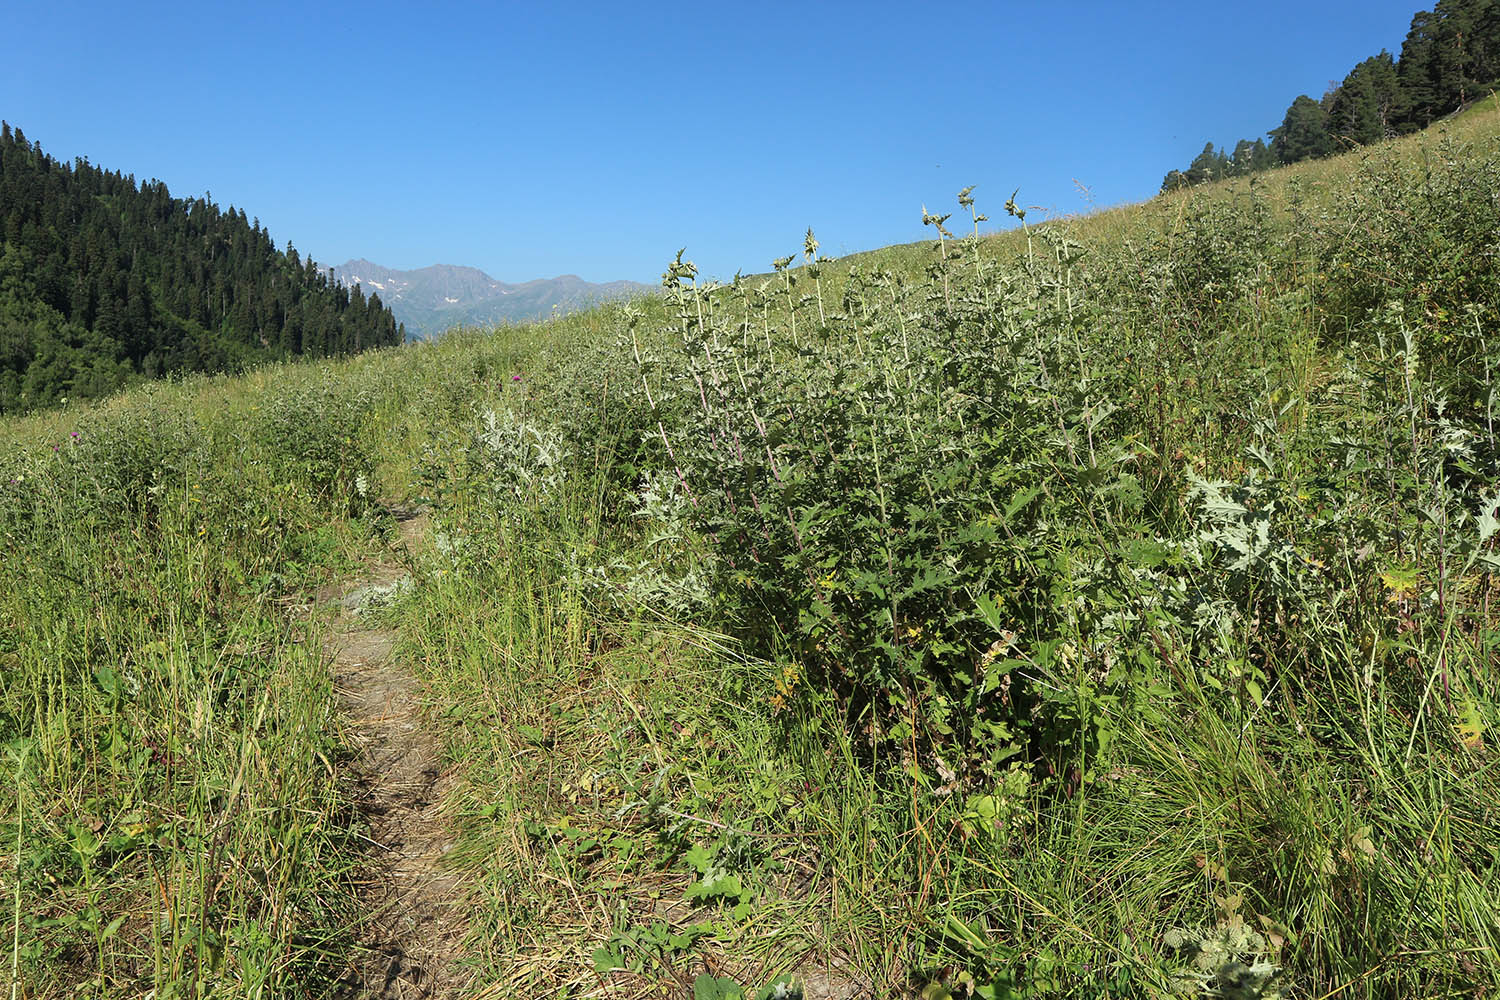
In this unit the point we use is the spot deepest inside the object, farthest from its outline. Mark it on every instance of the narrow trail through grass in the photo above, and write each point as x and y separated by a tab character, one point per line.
1104	610
412	928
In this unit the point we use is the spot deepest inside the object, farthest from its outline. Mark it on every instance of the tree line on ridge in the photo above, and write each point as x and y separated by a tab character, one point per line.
104	282
1451	56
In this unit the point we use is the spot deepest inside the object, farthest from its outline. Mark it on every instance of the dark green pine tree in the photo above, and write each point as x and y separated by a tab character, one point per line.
1485	49
1467	51
1261	157
1251	157
1452	56
1303	134
1209	165
1367	105
1417	71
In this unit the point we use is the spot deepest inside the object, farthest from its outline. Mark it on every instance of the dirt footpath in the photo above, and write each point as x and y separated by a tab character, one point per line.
413	927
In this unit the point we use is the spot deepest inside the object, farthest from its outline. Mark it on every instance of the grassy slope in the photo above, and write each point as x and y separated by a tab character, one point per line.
614	758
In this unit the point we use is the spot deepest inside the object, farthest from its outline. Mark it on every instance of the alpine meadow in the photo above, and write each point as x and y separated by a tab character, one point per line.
1104	607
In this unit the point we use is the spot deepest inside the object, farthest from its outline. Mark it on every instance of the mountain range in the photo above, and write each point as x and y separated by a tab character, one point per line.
430	300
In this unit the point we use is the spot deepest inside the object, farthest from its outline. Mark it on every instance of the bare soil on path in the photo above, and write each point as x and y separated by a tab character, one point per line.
413	926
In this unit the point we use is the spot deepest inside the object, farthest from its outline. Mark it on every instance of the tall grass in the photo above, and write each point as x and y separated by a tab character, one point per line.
170	726
1097	609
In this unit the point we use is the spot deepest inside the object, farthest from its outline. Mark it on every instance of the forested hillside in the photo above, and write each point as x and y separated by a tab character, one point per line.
1451	56
104	281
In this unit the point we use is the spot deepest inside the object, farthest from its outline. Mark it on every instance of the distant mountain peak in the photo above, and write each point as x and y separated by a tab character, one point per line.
432	299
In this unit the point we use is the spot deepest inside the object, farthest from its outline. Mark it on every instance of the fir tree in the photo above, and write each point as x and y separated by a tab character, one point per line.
1366	106
1303	133
1209	165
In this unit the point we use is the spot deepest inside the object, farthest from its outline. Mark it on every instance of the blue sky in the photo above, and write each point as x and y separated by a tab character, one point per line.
540	139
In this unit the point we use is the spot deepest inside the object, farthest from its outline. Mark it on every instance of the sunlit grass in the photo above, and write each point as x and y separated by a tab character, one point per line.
661	778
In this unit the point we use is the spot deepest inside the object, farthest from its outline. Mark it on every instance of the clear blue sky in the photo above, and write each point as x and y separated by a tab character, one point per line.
532	139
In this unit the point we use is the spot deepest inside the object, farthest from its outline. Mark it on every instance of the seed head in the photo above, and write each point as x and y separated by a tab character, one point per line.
677	270
936	221
1013	208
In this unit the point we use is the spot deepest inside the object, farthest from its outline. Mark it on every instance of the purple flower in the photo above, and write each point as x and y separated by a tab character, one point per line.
515	378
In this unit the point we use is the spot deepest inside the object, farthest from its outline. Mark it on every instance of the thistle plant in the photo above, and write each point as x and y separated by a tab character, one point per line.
966	201
936	221
815	270
1019	214
788	281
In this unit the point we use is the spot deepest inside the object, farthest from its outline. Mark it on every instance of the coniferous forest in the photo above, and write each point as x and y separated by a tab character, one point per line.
1451	56
104	281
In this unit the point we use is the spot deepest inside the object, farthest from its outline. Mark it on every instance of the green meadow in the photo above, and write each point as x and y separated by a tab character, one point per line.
1101	608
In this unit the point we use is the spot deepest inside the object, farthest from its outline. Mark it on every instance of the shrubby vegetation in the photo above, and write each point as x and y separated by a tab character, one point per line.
1119	606
1103	609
